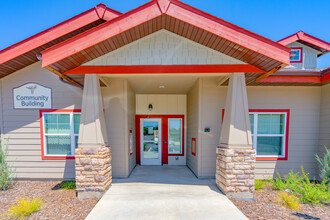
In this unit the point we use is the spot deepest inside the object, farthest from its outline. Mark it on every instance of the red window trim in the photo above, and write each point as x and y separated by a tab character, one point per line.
287	111
165	153
193	152
301	52
42	133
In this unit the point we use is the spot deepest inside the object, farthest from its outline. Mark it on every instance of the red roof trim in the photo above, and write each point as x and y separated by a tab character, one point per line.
296	79
156	69
61	29
292	79
177	10
307	38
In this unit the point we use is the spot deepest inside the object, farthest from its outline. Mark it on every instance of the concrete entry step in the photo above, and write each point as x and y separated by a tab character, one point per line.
164	192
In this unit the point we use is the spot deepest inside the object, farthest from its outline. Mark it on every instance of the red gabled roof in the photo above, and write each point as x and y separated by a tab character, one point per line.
23	53
307	40
174	16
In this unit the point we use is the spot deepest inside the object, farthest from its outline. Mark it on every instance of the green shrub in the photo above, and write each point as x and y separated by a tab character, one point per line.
6	171
68	184
311	192
301	186
288	201
261	184
24	207
324	165
279	183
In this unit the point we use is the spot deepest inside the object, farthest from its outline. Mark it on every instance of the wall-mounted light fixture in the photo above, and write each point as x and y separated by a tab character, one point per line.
150	107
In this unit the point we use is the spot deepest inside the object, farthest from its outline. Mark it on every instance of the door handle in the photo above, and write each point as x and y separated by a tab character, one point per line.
165	141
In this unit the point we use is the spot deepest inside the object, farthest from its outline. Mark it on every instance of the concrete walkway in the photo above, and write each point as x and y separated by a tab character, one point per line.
164	192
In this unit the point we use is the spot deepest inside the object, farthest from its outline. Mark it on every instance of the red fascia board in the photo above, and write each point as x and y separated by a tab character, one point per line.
229	31
325	77
100	33
307	38
289	39
177	10
296	79
291	79
57	31
157	69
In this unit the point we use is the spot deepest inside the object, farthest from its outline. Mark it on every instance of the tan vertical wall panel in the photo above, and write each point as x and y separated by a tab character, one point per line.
212	102
131	126
304	105
193	123
114	99
22	127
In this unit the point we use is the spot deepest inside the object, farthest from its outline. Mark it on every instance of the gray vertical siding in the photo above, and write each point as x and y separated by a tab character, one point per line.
22	127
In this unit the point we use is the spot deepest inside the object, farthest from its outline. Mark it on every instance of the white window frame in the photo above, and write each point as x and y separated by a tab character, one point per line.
255	135
72	134
181	140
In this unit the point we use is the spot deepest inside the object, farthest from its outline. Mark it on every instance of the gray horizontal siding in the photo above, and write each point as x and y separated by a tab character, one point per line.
22	127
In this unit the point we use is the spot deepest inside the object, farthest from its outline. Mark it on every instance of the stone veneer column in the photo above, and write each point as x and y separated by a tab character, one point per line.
235	163
93	155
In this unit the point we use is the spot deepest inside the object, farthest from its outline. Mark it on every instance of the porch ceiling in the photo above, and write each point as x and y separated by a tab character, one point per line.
150	84
175	17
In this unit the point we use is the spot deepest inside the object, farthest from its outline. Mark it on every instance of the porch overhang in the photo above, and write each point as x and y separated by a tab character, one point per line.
177	18
25	53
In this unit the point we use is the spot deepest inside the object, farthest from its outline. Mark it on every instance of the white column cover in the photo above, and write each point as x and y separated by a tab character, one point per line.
92	130
236	130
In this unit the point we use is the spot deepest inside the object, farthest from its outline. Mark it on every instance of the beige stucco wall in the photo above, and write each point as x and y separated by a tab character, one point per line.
304	105
165	105
22	127
193	130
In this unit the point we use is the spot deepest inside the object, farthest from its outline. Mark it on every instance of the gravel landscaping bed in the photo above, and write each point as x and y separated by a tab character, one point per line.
265	207
58	203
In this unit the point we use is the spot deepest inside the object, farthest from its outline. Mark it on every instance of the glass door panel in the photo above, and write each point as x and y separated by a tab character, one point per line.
151	141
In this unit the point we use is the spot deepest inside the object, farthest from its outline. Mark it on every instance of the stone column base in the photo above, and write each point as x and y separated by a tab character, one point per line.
235	172
93	171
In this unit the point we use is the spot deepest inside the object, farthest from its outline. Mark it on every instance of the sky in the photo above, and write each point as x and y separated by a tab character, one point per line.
273	19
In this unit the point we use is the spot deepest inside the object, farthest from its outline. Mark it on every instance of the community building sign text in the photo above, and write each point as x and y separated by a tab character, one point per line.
32	96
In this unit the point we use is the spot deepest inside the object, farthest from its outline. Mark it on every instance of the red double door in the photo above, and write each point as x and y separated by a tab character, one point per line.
165	122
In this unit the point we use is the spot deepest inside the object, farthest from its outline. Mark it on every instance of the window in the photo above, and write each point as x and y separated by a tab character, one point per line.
269	133
297	55
59	131
175	145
